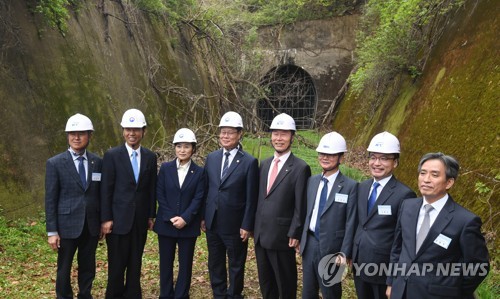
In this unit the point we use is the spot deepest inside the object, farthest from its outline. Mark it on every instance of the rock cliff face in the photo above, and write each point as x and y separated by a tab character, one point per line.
111	59
453	108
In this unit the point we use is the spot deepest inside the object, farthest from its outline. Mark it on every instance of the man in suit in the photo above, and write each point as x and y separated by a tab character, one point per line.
379	199
229	214
434	232
72	201
280	213
127	206
330	219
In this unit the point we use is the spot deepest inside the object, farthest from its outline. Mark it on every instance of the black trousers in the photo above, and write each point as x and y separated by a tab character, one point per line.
220	245
366	290
125	262
86	246
167	247
277	271
312	282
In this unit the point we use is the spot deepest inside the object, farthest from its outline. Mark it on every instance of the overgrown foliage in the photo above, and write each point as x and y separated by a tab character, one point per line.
397	36
55	13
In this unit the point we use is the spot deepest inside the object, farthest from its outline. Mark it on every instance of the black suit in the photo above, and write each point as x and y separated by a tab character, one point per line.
72	210
129	205
230	205
337	225
375	233
466	247
280	216
185	202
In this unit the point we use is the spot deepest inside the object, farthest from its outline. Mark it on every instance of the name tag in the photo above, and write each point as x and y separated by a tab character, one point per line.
339	197
96	177
443	241
384	210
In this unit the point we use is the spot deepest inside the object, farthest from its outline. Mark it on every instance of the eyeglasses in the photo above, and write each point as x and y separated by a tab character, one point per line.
323	155
382	159
227	133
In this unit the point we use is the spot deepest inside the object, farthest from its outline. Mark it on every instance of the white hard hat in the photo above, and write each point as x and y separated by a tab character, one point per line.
133	118
184	135
283	121
384	143
231	119
332	143
79	122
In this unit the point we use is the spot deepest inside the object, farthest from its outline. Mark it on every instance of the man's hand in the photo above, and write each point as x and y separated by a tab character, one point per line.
55	242
244	235
106	228
202	226
294	243
178	222
388	292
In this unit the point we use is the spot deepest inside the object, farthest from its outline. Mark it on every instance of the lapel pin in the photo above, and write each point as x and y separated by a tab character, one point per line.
237	161
192	171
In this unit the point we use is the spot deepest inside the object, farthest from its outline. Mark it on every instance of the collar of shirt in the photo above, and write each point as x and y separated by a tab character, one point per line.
184	167
331	179
129	150
437	205
75	156
231	157
383	181
282	158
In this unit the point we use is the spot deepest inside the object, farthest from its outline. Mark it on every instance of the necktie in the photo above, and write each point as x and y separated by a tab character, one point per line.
321	206
226	165
373	197
135	166
81	171
424	228
274	174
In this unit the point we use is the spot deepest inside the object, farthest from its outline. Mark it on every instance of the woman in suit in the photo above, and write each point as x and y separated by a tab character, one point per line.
180	191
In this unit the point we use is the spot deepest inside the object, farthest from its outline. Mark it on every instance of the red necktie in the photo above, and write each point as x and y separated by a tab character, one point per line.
274	174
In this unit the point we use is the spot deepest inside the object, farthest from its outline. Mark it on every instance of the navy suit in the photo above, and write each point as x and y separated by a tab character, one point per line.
375	233
280	216
337	225
467	245
174	200
230	205
72	210
129	205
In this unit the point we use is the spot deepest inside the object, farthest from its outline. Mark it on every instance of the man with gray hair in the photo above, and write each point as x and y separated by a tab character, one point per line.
441	236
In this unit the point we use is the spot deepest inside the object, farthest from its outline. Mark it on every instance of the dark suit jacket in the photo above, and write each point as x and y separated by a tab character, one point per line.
184	201
67	203
281	213
337	220
467	246
122	199
234	198
375	233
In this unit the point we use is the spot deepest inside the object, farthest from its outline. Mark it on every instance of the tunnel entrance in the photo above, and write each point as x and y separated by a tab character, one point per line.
290	90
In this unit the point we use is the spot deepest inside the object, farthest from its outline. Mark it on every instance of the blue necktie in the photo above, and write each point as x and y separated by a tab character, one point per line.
135	166
226	165
373	197
321	206
81	171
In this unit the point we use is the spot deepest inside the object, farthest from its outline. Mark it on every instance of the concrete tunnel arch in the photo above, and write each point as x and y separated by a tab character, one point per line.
290	89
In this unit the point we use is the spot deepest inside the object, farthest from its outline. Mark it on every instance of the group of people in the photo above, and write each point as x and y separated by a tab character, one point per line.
332	221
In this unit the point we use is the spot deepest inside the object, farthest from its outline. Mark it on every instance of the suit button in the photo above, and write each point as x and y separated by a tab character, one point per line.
364	228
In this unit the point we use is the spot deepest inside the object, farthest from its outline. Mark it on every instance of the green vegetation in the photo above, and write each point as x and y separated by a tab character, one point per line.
397	36
304	147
